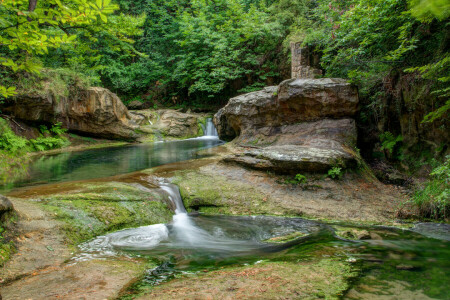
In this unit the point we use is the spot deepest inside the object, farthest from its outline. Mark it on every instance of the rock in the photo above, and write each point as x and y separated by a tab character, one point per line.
178	124
96	111
326	133
301	125
293	101
170	123
292	158
5	205
135	104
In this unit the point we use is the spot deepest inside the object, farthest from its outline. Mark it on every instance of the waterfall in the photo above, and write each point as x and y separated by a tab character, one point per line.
183	226
210	129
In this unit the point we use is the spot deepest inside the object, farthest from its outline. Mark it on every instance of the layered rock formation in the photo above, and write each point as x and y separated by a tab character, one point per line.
96	111
170	123
300	125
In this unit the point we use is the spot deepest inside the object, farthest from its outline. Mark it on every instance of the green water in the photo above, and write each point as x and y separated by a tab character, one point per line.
105	162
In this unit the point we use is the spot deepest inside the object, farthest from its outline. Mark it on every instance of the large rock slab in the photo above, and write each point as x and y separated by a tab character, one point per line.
95	111
293	101
291	159
302	125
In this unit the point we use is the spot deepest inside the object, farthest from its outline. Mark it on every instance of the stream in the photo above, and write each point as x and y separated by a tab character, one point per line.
415	259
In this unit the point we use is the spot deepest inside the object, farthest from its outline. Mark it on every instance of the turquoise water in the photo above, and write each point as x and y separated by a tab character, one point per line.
105	162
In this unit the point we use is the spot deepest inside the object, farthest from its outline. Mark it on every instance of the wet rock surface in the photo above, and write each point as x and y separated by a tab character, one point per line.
170	123
301	125
96	111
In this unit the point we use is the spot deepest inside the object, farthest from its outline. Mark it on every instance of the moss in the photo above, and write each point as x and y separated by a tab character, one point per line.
326	278
100	208
286	238
7	247
220	195
201	124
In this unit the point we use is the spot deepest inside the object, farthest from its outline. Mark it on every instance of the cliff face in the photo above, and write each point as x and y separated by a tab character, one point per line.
95	111
300	125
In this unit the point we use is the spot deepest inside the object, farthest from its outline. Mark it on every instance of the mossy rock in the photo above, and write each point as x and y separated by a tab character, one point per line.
99	208
326	278
286	238
220	195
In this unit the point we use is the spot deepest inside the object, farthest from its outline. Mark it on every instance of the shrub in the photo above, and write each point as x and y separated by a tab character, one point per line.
335	172
391	144
433	200
9	141
301	178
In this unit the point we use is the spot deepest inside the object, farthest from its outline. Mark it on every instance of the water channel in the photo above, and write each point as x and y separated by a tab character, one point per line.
416	258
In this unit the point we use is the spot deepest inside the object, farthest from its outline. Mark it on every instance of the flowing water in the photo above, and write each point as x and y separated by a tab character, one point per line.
416	259
190	243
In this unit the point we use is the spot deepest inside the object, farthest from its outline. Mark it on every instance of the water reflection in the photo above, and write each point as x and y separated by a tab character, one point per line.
98	163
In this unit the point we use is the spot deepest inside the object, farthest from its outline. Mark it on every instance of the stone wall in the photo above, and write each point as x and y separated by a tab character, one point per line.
304	62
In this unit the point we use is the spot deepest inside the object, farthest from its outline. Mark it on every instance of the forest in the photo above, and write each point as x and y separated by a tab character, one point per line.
194	54
224	149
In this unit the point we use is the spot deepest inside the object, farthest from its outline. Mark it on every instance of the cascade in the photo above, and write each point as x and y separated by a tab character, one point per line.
210	129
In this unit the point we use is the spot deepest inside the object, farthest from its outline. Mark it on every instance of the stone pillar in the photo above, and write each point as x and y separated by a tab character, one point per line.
302	60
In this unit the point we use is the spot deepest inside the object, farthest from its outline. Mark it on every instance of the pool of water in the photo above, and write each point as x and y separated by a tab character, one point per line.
199	243
413	259
105	162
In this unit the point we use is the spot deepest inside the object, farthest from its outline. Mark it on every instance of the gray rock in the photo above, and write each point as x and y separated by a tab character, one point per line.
294	159
293	101
135	104
5	205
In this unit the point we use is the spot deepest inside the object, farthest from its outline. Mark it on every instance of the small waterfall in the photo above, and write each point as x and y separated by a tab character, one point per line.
210	129
183	226
174	196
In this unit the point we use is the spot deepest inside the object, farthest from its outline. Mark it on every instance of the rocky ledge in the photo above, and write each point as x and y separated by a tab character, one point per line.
95	111
169	124
302	125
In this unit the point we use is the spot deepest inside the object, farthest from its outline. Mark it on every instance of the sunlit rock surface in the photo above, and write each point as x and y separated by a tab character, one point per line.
96	111
300	125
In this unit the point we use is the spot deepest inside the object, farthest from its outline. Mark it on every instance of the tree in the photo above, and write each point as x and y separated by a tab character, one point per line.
29	28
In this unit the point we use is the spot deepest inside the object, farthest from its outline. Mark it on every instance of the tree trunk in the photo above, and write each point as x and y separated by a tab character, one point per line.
32	5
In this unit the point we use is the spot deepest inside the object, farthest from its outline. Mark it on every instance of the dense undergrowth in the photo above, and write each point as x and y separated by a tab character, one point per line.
13	148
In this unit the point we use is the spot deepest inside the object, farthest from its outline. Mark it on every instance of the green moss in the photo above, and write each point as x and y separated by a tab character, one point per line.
220	195
7	247
286	238
325	278
102	208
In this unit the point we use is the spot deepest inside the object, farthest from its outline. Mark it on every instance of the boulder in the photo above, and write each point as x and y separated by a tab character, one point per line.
293	101
135	104
170	123
6	208
292	159
178	124
5	205
302	125
95	111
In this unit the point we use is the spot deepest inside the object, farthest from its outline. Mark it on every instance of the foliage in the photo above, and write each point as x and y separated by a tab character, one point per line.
335	172
9	141
374	42
50	138
433	201
301	178
30	28
391	144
